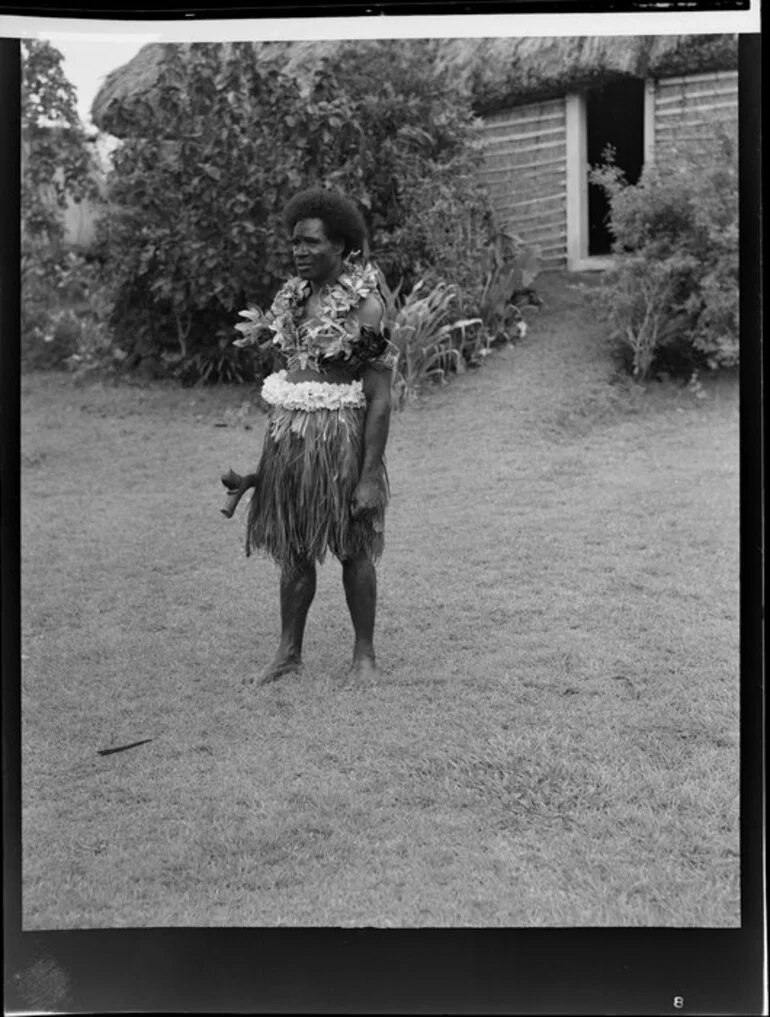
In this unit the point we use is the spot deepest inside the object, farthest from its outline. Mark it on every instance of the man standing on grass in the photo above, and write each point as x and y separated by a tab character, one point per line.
321	483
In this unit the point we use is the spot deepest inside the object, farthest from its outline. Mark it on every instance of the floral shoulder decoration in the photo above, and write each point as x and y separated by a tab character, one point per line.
334	335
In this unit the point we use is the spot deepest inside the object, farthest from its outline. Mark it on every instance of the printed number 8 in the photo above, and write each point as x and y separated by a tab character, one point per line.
679	1002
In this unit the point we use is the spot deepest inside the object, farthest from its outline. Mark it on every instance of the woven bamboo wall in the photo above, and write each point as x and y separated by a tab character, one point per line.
525	173
686	108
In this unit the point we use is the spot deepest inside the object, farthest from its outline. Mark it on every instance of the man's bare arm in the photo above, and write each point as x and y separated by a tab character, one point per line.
369	494
377	384
376	381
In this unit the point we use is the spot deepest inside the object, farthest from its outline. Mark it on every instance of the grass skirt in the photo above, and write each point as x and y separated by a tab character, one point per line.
300	507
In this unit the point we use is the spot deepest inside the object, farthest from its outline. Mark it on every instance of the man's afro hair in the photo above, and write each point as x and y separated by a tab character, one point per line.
342	220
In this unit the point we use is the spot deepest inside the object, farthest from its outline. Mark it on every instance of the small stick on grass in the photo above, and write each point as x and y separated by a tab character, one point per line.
122	748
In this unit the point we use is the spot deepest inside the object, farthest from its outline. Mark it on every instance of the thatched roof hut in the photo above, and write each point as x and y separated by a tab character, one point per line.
552	107
549	106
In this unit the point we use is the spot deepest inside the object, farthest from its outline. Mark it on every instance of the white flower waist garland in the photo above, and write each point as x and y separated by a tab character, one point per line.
333	333
311	395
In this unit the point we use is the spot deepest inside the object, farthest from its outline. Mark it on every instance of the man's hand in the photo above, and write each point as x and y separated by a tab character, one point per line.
367	498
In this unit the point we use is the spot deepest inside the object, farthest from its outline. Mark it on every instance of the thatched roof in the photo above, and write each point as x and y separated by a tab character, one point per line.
508	72
496	72
134	83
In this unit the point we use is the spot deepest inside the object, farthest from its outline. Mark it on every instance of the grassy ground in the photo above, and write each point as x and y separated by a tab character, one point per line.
553	739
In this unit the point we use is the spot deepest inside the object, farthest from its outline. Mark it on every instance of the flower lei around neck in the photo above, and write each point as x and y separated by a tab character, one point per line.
332	334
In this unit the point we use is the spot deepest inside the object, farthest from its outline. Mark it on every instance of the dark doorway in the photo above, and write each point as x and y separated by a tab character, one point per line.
614	116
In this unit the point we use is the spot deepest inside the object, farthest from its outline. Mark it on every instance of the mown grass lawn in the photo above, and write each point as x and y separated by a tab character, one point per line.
552	740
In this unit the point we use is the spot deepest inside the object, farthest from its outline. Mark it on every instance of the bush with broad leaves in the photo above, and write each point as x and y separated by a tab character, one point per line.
671	299
200	183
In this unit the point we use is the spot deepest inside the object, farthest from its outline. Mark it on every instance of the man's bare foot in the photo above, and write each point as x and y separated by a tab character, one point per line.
363	667
281	665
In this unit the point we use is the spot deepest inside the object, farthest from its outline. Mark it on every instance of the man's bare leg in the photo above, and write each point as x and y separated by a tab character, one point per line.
298	586
359	577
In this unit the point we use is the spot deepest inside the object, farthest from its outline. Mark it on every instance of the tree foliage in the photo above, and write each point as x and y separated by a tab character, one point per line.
55	167
413	160
200	183
56	160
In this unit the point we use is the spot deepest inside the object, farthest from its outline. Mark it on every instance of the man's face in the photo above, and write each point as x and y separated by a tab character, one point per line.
316	257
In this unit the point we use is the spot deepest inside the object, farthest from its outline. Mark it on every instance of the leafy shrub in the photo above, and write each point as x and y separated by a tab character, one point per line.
431	342
671	299
420	330
413	164
40	321
440	330
65	310
95	350
222	363
200	183
197	189
510	268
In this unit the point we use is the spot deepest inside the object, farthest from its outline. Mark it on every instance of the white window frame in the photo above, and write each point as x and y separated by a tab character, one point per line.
650	92
578	259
